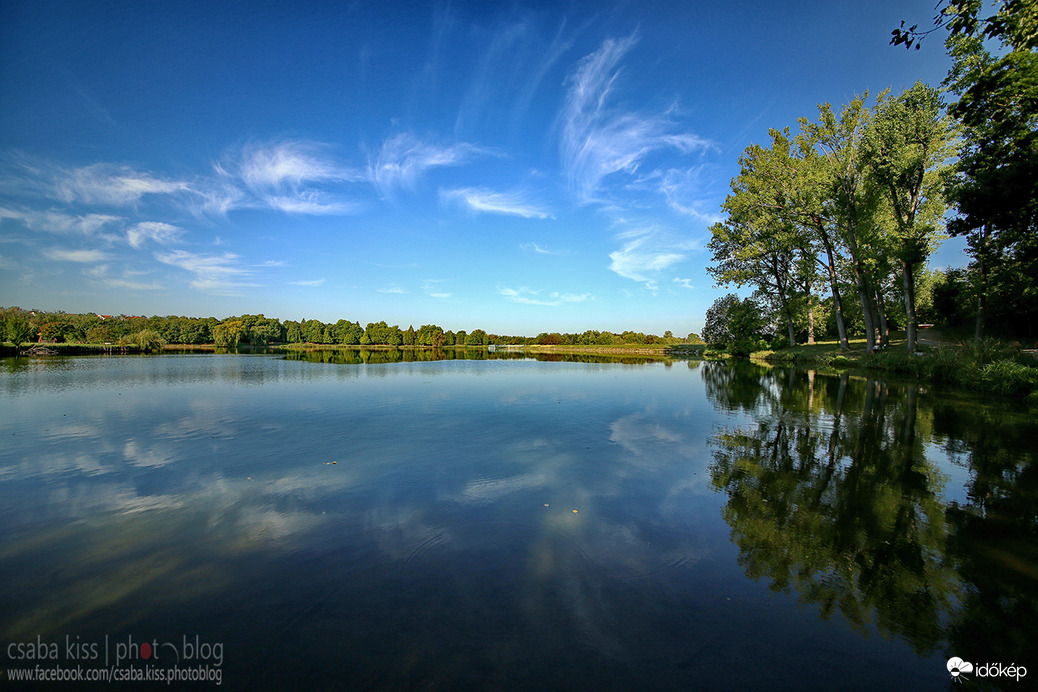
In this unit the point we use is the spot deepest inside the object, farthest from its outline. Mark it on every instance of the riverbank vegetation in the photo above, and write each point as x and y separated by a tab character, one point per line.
19	326
831	226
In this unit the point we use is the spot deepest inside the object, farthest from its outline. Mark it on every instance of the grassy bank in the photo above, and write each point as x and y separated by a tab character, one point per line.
658	351
64	349
988	365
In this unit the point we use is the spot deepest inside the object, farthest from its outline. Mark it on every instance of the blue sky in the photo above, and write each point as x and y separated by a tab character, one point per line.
513	166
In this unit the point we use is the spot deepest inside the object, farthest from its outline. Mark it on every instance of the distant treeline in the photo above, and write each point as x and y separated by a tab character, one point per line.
21	326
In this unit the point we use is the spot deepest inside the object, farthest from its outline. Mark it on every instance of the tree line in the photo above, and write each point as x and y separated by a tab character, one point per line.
20	326
832	225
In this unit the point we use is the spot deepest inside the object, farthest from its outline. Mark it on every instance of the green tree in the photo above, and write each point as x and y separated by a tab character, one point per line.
994	191
19	326
98	335
907	147
717	331
228	333
733	324
850	202
350	333
763	242
147	340
293	333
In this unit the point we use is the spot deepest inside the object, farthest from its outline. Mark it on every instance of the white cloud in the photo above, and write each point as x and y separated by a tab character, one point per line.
645	253
487	201
392	289
313	282
431	289
534	247
291	176
403	158
83	256
218	274
61	223
599	141
684	283
104	183
128	281
156	231
528	296
680	187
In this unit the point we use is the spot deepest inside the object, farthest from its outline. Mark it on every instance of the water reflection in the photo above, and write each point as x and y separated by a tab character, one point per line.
835	493
414	526
361	356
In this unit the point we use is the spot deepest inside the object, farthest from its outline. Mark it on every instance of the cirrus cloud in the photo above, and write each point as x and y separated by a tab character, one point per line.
528	296
488	201
597	140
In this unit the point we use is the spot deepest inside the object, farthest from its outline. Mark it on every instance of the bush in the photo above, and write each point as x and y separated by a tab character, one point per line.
987	350
147	340
1008	377
773	357
745	346
834	360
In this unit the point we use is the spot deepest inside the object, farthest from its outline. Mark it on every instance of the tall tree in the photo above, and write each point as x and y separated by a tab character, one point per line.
759	243
994	190
851	201
907	147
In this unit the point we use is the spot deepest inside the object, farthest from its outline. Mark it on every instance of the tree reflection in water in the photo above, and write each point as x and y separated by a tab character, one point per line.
831	494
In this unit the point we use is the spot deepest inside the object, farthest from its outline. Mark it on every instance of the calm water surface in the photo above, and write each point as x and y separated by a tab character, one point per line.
511	524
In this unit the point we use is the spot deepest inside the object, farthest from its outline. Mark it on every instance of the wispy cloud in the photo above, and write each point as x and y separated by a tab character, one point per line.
684	192
431	288
393	289
290	175
155	231
534	247
488	201
527	296
598	140
61	223
83	256
684	283
130	280
217	274
104	183
311	282
646	252
403	158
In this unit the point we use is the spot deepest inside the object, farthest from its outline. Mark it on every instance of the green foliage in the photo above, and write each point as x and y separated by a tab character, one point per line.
986	364
229	333
1009	377
18	326
146	340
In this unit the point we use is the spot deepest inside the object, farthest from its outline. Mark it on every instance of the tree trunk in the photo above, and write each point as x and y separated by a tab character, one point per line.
982	292
881	315
830	266
909	283
861	278
810	319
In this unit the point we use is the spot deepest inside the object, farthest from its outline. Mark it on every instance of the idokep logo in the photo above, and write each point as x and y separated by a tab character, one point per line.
959	668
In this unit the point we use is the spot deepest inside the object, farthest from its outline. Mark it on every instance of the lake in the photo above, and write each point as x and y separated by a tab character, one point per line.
273	523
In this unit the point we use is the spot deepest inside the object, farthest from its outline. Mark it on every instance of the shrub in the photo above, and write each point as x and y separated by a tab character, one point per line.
147	340
834	360
1008	377
987	350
